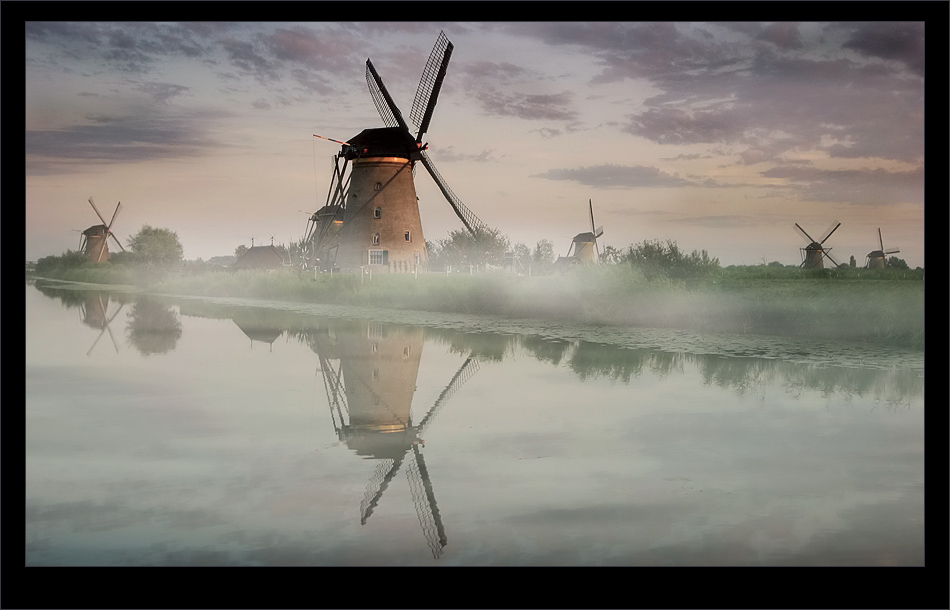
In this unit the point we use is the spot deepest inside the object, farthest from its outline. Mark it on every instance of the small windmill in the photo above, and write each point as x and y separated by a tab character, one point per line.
381	226
584	246
876	258
814	253
94	242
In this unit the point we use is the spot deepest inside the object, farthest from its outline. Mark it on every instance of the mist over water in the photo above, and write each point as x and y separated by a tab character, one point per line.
241	432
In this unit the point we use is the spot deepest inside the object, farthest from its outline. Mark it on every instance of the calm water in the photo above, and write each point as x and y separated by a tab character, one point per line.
173	431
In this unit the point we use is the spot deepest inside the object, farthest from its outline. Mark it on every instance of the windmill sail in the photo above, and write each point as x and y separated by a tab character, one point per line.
427	95
431	83
423	499
388	111
468	218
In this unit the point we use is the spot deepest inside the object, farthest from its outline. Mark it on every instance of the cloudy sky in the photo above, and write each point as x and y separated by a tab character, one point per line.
718	136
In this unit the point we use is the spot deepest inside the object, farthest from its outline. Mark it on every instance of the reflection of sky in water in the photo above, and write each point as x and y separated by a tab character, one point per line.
222	450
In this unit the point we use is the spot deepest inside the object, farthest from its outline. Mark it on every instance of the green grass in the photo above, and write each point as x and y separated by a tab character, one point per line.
883	307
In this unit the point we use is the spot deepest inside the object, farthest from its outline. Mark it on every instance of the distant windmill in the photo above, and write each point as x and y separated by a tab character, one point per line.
876	258
813	254
584	246
95	239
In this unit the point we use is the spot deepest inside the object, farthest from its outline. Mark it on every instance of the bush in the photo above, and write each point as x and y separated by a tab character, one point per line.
658	260
57	264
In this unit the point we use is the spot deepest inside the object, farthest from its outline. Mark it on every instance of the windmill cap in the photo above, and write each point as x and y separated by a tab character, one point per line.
382	142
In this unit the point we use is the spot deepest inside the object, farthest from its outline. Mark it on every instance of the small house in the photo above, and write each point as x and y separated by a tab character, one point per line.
261	257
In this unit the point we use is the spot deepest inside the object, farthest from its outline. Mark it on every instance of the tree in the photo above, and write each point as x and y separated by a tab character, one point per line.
543	253
462	249
611	255
896	263
656	259
156	248
521	257
239	251
853	262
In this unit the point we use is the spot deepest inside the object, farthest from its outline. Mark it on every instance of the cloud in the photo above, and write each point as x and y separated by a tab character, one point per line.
528	106
327	51
738	83
119	139
861	187
450	155
248	59
898	41
617	176
162	92
484	71
678	126
783	35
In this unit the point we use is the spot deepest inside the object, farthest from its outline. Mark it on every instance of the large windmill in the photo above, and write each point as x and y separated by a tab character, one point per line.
876	258
584	246
376	203
94	242
369	374
814	253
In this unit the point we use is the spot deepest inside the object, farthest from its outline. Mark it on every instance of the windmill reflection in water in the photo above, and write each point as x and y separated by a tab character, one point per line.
369	374
93	311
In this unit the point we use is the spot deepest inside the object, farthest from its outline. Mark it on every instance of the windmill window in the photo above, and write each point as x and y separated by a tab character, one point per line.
376	239
377	213
376	257
407	236
376	374
378	186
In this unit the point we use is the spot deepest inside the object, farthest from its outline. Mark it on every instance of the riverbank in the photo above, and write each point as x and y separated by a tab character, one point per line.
872	308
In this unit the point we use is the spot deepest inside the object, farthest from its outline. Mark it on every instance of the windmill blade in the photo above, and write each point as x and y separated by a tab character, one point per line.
102	332
384	102
93	204
829	231
894	251
423	498
102	247
880	238
806	235
114	214
828	254
465	372
111	336
377	485
116	240
430	84
599	231
591	203
468	218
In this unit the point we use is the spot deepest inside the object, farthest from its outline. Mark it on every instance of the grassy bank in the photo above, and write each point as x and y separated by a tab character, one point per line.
880	307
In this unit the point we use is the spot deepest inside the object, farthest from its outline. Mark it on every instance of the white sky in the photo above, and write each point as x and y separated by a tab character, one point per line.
718	136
